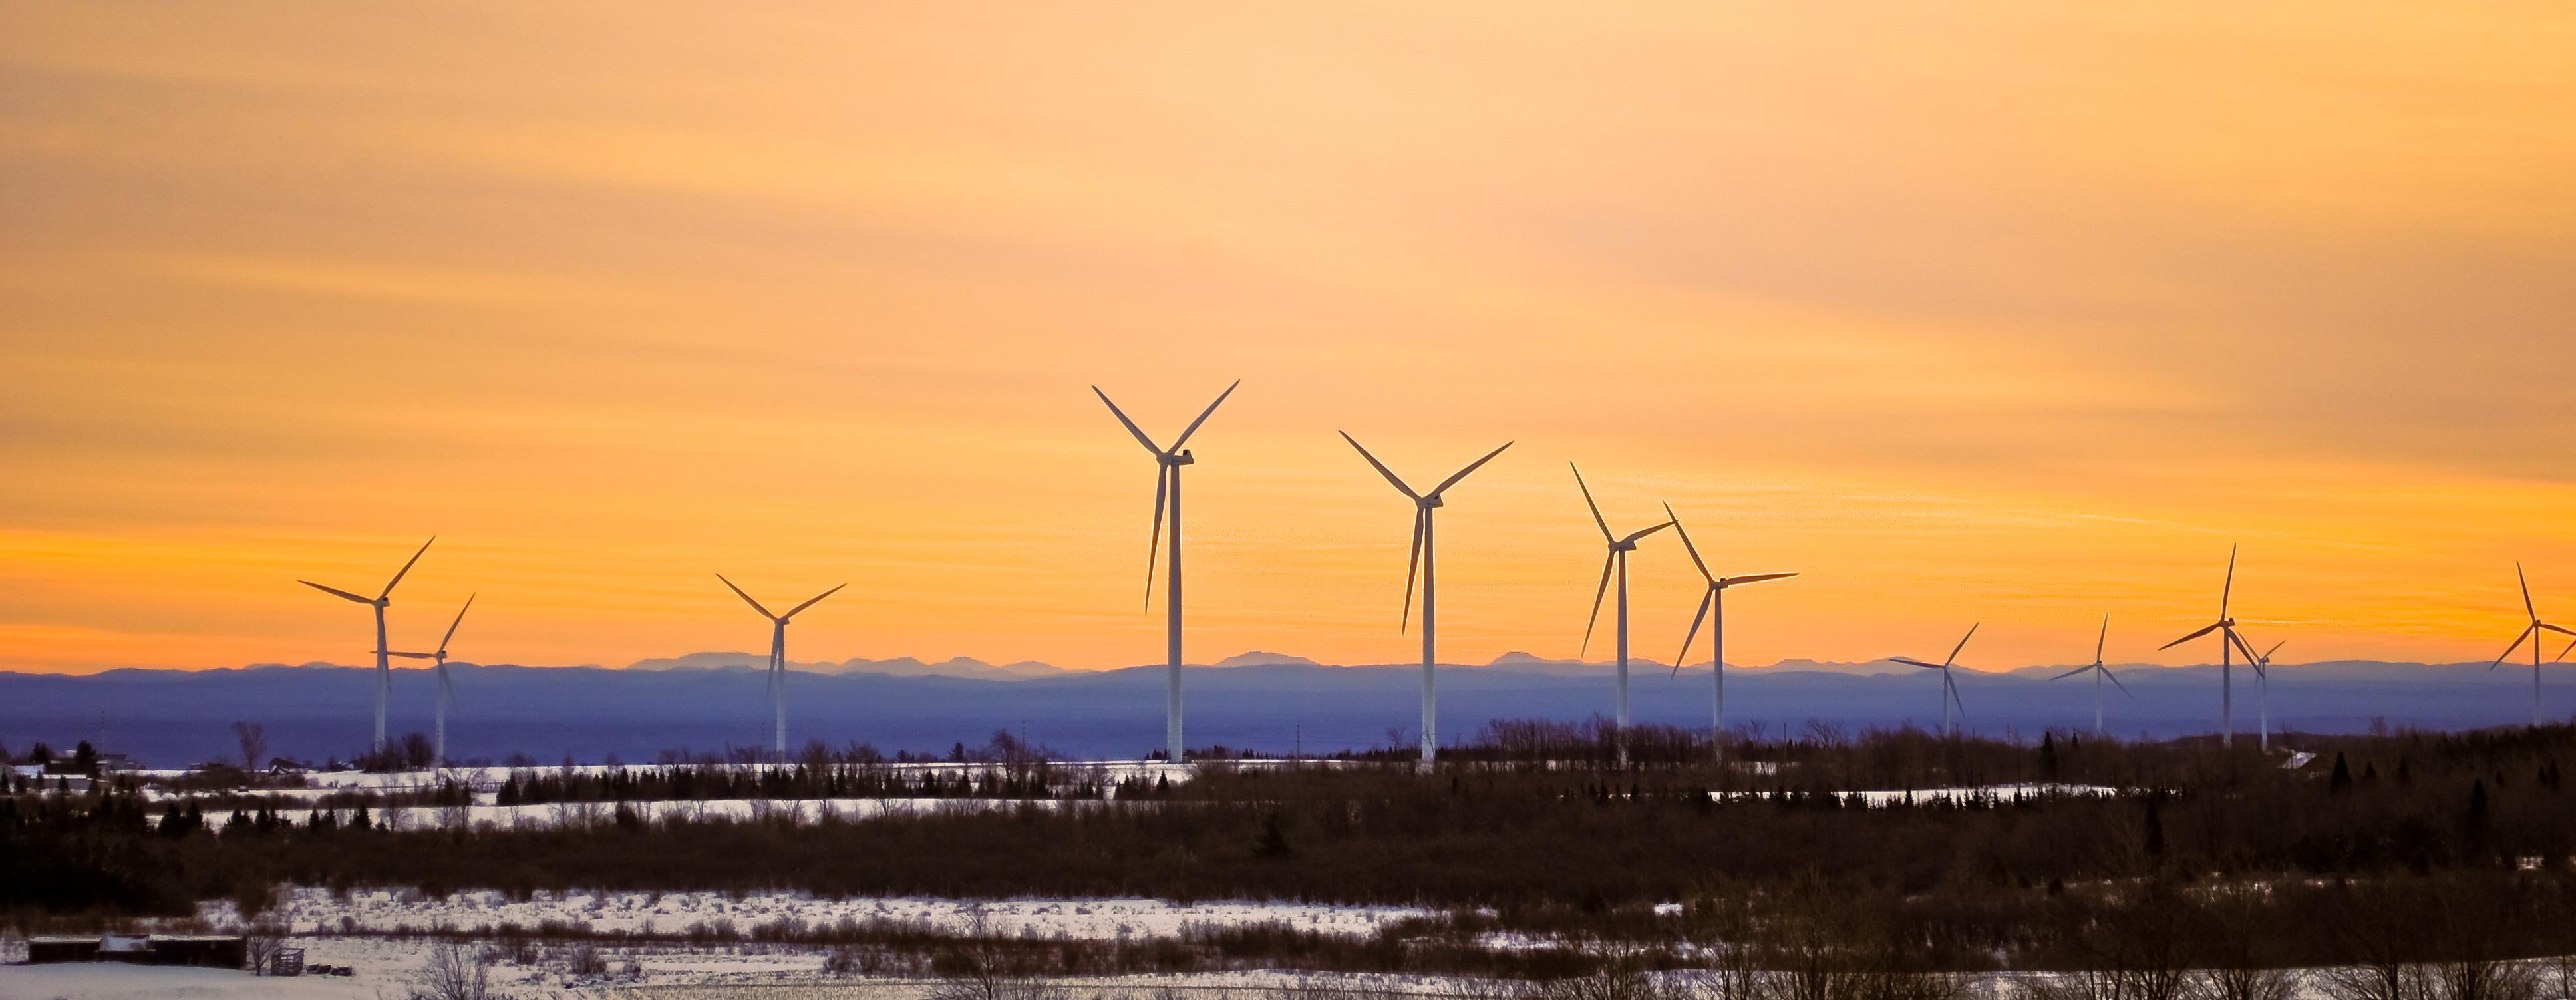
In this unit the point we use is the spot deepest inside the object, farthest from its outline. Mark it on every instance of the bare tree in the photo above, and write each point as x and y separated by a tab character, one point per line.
253	738
261	941
452	973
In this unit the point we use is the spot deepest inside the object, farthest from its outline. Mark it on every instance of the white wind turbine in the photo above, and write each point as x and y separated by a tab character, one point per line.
1712	609
2229	644
2263	695
1422	560
2099	672
778	657
1616	561
1949	688
382	600
1167	496
2532	633
446	697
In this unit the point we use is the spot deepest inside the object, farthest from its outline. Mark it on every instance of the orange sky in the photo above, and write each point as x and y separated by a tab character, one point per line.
2020	313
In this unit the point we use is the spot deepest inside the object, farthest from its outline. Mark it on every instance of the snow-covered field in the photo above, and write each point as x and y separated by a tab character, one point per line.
317	911
799	811
2003	793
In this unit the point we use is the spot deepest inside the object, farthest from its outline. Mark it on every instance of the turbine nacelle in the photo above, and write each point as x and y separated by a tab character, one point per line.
1429	502
1181	457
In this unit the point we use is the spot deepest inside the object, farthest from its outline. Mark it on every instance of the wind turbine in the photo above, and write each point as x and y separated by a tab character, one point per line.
2099	672
1167	495
1712	608
446	698
1949	688
383	600
2229	644
2263	695
778	656
1424	504
2532	633
1617	559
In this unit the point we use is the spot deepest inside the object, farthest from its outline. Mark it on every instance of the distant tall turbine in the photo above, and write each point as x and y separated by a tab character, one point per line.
2099	672
1424	504
2263	695
2229	644
1617	559
446	696
1167	495
778	657
1949	688
383	600
1712	608
2532	633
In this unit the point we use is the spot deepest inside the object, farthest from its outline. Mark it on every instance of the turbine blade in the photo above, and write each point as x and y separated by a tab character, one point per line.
1380	467
1696	619
1597	594
2238	641
2070	673
1733	581
1643	532
460	620
2188	638
1130	424
1953	687
2276	647
2528	632
2229	588
2526	592
1412	569
1912	662
1963	644
398	574
2562	653
1676	521
2556	629
335	591
1193	428
2102	640
1154	542
1587	501
746	598
408	656
1471	467
791	612
2115	682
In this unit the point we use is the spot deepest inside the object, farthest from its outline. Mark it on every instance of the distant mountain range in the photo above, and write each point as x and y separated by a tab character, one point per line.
1271	701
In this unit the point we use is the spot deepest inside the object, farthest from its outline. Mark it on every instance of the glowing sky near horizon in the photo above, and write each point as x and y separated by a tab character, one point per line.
2020	313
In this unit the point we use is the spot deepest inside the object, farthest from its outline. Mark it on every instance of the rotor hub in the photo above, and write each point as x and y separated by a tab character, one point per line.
1429	502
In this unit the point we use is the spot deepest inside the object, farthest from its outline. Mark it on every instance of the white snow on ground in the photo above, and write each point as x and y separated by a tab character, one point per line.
316	911
2004	793
798	811
117	981
488	778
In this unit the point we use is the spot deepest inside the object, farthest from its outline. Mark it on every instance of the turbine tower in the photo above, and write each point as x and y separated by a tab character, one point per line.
1712	608
2532	633
1167	496
1616	560
446	697
2229	644
778	658
382	600
1949	688
2099	672
1422	560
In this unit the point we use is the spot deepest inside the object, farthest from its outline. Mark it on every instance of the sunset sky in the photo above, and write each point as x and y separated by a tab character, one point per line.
2012	313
